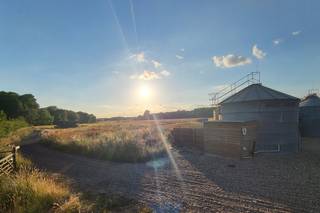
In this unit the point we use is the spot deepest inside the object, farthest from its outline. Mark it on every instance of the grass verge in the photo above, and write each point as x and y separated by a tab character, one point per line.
30	190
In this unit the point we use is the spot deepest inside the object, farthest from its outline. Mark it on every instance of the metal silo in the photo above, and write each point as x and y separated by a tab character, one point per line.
309	116
277	115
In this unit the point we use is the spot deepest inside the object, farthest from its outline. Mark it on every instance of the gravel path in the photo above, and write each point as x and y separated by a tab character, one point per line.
197	182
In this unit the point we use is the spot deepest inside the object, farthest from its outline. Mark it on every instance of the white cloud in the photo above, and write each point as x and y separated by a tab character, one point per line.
230	60
156	64
179	57
258	53
277	41
115	72
150	75
139	57
165	73
146	76
182	49
295	33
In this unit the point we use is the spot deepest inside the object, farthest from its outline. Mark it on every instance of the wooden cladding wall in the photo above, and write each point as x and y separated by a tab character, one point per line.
190	137
230	139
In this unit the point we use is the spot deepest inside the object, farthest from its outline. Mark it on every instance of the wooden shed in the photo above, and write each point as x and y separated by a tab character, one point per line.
230	139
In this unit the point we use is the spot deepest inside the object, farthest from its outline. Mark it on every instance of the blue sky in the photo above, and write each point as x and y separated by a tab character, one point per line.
95	56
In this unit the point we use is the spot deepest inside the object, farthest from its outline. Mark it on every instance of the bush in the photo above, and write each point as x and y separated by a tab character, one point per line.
8	126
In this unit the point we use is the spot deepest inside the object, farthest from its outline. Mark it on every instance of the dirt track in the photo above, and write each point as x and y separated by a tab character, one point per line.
202	183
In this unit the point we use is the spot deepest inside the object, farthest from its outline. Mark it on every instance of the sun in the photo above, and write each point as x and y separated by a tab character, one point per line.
144	92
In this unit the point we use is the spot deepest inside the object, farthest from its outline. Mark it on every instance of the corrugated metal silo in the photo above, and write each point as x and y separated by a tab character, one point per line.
277	115
309	116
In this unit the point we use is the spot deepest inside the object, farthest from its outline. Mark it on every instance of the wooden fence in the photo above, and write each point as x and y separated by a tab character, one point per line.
8	163
191	137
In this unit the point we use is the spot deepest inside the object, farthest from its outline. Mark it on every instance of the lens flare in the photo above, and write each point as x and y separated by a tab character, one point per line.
171	158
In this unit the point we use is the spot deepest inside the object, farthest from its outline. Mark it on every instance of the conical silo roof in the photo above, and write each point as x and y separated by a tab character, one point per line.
257	92
310	101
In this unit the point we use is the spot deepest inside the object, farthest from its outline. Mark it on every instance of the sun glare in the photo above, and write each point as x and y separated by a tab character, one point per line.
144	92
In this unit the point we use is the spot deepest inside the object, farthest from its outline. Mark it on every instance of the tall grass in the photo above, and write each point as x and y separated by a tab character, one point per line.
121	145
33	191
30	190
125	141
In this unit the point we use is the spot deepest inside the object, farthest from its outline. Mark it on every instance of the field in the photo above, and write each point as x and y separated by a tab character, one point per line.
34	190
122	141
167	179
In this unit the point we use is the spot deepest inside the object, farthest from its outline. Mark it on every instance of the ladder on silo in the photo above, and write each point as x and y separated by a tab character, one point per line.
250	78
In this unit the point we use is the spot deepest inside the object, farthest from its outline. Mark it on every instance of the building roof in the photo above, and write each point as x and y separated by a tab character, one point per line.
310	101
257	92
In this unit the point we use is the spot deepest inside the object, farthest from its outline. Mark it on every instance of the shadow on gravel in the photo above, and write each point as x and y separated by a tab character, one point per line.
98	177
292	180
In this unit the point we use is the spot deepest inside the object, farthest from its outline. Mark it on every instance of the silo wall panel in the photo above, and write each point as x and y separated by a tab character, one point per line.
310	121
278	122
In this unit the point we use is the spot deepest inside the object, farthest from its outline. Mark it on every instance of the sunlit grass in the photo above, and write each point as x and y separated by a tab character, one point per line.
14	138
30	190
124	141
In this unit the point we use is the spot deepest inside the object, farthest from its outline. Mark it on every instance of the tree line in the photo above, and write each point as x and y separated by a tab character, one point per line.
14	107
204	112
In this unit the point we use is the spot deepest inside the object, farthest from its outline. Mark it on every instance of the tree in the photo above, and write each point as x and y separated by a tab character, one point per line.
60	116
30	108
147	115
44	118
52	109
83	117
92	118
86	118
10	104
72	116
3	116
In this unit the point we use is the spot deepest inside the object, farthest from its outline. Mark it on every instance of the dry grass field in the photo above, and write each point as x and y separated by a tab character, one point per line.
122	141
178	180
30	189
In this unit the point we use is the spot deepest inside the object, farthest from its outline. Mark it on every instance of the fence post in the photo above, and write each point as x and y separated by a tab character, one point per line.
14	157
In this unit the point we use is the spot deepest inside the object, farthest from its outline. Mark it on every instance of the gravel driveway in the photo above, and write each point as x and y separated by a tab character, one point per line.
194	182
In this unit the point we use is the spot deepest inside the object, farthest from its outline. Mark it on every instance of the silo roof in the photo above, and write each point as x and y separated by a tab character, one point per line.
257	92
310	101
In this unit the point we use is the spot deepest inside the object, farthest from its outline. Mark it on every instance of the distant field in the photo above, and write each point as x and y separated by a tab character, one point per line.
123	141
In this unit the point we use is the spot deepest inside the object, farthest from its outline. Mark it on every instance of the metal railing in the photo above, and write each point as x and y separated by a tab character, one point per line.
313	91
217	97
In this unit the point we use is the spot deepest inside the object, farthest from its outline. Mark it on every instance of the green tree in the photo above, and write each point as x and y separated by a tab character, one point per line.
72	116
92	118
10	104
60	116
52	109
30	108
3	116
44	118
86	118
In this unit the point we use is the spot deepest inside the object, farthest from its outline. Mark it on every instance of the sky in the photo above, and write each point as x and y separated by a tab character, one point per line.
118	58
